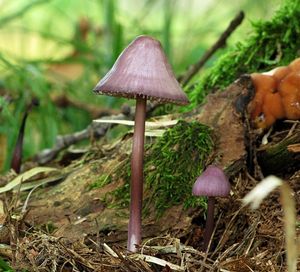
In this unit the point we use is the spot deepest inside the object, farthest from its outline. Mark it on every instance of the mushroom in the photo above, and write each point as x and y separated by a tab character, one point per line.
295	65
289	89
267	105
281	72
278	73
264	84
272	109
212	183
141	72
277	95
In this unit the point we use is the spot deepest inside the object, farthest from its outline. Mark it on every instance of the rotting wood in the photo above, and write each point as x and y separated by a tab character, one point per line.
223	112
274	158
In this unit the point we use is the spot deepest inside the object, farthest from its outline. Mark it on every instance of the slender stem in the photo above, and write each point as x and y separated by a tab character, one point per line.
209	227
17	154
136	191
18	151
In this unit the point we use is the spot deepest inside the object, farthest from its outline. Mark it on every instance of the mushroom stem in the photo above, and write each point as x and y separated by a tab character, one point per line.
209	227
136	191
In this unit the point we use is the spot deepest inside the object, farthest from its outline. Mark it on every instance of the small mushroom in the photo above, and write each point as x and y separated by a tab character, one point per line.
212	183
141	72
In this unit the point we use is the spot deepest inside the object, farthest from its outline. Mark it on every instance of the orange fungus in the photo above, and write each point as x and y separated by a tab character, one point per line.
277	95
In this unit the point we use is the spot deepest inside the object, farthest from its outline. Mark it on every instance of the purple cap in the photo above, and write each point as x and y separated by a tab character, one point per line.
212	182
142	70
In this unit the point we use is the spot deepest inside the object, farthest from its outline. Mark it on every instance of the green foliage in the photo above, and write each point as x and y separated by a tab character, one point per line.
171	167
49	227
4	266
27	81
273	43
120	198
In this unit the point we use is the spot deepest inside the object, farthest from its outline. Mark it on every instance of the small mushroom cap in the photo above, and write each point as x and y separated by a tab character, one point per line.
212	182
142	70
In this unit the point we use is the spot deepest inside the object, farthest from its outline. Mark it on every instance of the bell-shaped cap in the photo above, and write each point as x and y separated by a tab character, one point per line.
212	182
142	70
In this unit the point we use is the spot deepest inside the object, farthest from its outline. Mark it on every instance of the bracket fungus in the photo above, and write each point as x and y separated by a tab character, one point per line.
211	183
141	72
277	95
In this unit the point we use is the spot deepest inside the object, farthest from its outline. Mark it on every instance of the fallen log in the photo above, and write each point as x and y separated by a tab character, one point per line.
276	158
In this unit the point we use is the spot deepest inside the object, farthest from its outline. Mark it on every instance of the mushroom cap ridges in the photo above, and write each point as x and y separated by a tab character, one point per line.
142	70
212	182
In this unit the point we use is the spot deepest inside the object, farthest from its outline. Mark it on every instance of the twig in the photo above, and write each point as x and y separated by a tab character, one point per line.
74	256
158	261
27	199
295	124
62	142
109	250
64	101
221	42
97	130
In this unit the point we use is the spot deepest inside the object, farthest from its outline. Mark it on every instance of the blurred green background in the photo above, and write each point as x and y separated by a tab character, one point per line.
57	50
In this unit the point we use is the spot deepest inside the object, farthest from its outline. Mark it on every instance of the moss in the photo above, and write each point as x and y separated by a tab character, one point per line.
100	182
49	227
273	43
171	167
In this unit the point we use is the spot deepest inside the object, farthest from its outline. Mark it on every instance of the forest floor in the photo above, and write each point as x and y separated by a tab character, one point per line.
62	222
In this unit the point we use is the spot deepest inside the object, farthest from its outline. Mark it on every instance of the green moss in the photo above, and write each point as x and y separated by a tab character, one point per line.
49	227
171	167
100	182
273	43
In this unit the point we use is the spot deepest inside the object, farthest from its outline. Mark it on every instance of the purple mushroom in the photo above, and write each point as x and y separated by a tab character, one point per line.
141	72
213	182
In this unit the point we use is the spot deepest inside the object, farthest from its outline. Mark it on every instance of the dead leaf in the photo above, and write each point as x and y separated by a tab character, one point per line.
25	176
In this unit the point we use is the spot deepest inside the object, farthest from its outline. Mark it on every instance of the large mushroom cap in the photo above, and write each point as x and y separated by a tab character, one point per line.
142	70
212	182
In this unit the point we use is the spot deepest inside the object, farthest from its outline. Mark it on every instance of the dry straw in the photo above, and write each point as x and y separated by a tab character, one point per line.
262	190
